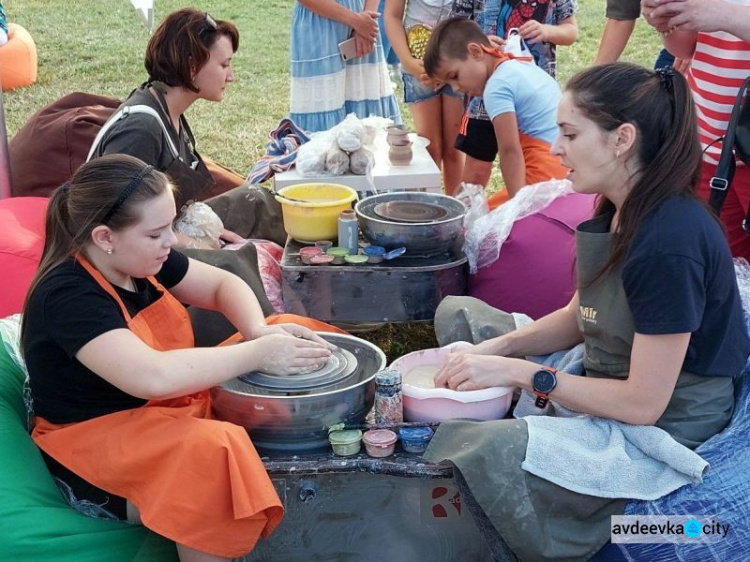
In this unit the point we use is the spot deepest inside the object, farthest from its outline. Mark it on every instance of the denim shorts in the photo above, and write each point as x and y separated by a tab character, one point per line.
415	91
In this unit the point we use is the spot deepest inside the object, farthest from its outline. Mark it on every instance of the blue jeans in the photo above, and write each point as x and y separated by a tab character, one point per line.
415	91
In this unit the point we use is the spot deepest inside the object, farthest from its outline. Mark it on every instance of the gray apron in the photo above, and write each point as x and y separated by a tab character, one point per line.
520	512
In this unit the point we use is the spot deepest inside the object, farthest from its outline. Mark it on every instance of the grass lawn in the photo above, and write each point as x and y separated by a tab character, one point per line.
97	46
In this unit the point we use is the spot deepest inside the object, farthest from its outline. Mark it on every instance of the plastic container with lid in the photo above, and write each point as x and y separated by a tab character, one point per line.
338	253
380	442
374	253
415	439
356	259
345	443
307	252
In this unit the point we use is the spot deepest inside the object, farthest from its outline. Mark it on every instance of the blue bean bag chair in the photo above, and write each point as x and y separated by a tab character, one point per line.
724	497
36	523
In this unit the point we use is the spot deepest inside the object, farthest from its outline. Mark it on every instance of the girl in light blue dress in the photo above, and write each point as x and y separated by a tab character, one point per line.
324	87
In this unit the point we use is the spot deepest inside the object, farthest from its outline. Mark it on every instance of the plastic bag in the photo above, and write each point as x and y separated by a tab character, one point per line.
516	46
361	160
337	161
199	221
474	197
486	235
311	156
349	134
373	125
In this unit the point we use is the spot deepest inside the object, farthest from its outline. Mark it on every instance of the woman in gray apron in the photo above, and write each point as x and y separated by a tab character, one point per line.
188	58
657	310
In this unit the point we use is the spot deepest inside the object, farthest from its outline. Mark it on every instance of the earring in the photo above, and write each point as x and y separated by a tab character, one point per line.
617	153
109	251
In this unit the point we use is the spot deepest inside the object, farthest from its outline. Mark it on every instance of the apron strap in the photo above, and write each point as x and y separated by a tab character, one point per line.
107	286
124	112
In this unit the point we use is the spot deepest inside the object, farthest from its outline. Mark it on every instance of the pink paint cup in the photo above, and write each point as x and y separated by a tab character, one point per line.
379	442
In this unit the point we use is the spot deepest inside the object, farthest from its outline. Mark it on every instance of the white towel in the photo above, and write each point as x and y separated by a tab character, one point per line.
601	457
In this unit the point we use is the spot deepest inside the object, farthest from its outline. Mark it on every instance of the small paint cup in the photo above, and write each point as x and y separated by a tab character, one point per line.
379	442
321	259
338	254
307	252
323	245
374	253
345	443
357	259
415	439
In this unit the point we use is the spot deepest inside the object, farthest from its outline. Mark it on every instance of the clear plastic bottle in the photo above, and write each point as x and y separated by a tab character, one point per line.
349	231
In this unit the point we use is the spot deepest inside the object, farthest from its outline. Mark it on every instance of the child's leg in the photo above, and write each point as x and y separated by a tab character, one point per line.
453	159
477	171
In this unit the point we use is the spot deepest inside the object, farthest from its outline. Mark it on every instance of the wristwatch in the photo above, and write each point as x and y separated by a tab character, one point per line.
543	383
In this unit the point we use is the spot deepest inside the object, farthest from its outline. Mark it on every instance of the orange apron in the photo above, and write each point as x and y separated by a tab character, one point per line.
541	164
195	480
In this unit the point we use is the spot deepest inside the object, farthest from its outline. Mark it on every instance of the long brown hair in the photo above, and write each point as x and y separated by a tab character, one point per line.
661	108
82	204
180	46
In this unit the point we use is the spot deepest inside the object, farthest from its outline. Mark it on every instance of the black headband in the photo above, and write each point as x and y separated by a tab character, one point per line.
126	193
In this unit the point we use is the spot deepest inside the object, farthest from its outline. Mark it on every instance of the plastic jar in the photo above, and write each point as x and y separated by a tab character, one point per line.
345	443
321	259
379	442
415	439
374	253
308	252
357	259
337	253
323	245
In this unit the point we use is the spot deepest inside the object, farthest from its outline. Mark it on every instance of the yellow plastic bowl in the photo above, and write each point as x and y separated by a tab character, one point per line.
315	215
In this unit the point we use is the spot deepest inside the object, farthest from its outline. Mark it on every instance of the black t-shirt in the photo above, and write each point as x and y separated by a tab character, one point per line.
67	310
140	135
679	277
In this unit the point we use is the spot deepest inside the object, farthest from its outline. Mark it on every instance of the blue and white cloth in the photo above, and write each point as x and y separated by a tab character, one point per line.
324	87
281	152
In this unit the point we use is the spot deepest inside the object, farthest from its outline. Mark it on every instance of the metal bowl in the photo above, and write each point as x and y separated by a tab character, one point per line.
299	420
420	238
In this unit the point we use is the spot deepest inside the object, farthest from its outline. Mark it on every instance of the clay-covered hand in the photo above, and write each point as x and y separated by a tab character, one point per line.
534	32
291	330
466	371
284	354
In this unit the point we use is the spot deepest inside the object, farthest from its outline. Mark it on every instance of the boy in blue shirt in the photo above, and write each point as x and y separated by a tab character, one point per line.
543	25
520	98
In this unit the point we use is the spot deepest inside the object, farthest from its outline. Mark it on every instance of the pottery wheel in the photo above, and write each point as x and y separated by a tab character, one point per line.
340	365
410	211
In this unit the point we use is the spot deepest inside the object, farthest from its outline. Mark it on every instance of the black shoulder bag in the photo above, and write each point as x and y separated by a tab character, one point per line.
736	142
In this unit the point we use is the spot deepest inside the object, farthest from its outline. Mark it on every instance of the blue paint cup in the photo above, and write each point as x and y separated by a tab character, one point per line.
415	439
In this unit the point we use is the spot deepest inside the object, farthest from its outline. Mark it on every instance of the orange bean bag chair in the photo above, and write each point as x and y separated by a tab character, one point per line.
21	244
18	60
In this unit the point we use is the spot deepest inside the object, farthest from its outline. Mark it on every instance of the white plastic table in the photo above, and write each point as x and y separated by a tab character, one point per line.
421	173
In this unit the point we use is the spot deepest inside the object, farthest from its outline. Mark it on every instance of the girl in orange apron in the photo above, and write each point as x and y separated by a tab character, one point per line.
193	479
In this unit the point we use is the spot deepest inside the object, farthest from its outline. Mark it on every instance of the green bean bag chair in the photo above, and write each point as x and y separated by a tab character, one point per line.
36	523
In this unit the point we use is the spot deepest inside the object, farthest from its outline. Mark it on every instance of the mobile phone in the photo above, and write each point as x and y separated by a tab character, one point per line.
348	49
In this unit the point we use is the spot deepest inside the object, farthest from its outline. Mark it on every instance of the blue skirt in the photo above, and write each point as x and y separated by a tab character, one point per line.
324	87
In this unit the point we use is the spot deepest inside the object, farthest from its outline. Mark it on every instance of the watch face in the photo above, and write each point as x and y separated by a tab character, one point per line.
544	381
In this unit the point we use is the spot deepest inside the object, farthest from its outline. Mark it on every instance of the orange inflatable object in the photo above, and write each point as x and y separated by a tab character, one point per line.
21	244
18	60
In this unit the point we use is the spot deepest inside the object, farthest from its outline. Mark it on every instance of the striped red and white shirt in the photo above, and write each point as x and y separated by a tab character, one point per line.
720	64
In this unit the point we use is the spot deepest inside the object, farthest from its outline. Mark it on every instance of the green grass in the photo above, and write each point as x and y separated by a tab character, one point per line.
97	46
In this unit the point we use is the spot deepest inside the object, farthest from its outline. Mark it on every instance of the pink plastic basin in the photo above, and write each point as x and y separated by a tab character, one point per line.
438	404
